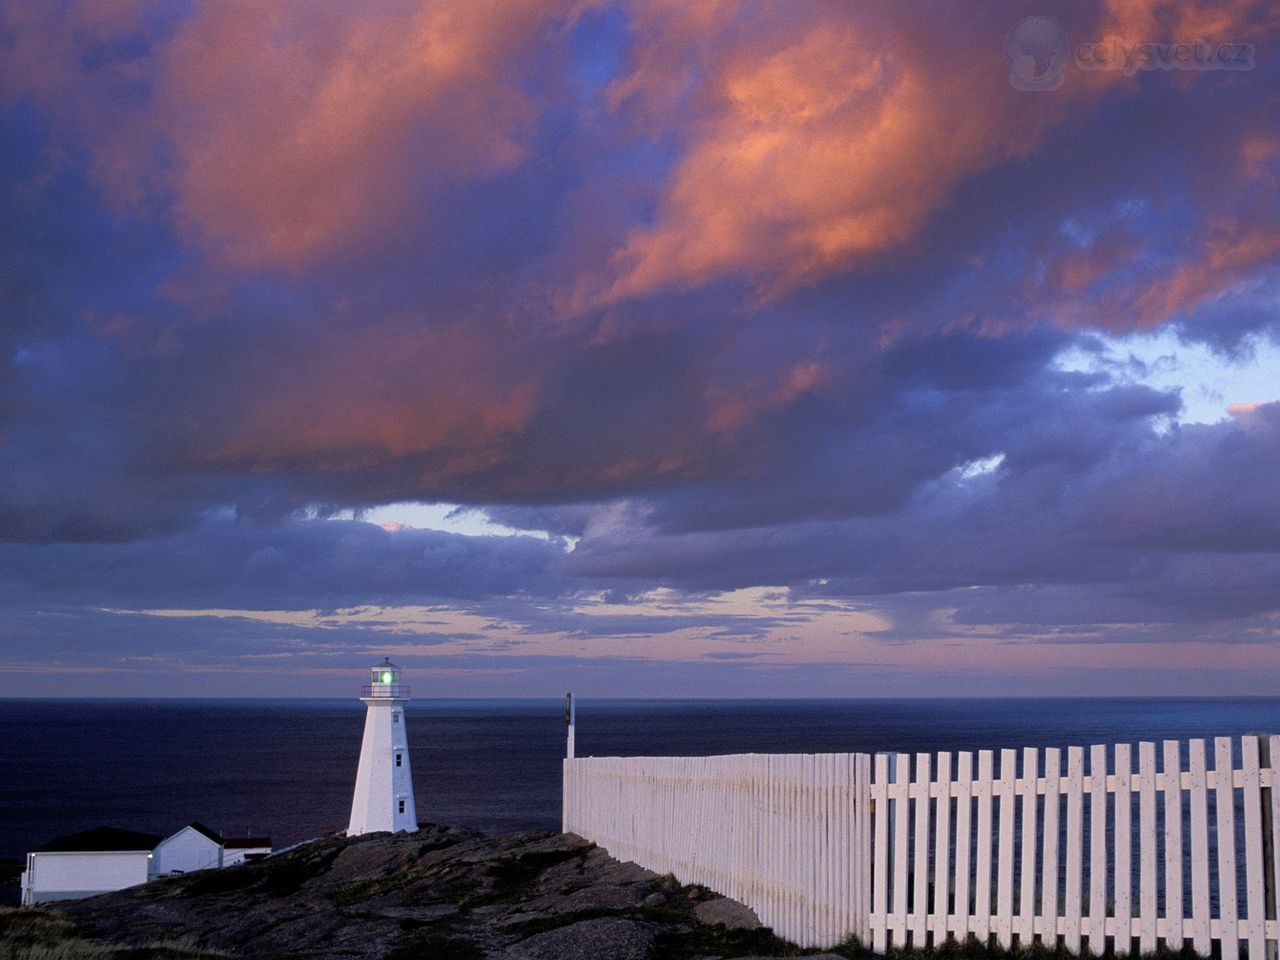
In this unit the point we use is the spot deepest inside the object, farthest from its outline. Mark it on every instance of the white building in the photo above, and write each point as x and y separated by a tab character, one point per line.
244	849
108	858
383	798
194	847
88	863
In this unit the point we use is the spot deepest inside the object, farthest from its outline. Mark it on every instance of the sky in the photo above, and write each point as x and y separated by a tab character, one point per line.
643	348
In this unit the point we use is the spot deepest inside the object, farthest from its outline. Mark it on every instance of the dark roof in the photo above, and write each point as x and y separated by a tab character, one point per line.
200	828
101	839
240	843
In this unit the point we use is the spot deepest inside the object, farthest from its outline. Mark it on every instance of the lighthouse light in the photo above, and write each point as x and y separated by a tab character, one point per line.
386	676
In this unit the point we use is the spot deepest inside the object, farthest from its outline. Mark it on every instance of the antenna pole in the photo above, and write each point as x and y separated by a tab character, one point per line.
570	718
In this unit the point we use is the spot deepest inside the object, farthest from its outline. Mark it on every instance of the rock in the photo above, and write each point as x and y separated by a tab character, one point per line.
730	914
601	938
434	893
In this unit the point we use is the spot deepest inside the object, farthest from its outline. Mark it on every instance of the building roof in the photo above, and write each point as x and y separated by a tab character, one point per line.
200	828
243	843
99	840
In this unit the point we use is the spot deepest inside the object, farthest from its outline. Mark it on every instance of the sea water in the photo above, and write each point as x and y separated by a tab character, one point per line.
285	768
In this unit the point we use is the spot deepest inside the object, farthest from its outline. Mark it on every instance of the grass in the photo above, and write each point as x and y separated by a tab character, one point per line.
32	934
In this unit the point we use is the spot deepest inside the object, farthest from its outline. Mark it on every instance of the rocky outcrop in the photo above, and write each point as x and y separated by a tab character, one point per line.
438	894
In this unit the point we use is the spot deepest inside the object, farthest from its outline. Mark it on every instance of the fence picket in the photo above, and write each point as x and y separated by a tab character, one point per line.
1146	846
1074	789
1097	927
1200	919
1004	856
1025	927
1273	765
920	865
825	847
1049	872
1228	909
843	816
1255	912
964	814
901	842
1173	937
880	874
1123	886
865	835
980	922
942	849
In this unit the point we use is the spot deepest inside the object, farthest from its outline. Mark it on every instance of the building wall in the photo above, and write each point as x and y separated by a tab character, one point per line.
68	876
230	857
384	783
185	851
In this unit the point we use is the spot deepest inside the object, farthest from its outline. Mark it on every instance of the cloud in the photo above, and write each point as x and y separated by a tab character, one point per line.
728	296
316	564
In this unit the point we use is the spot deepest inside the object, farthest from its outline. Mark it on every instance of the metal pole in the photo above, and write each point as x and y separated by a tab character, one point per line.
570	718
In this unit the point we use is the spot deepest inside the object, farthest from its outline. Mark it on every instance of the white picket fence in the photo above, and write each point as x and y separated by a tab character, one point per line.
831	846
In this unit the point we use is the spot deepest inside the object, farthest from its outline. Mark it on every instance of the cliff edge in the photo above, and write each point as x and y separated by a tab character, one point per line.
437	894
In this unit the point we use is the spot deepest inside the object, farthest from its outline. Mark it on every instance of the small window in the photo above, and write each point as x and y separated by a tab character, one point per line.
395	718
399	760
402	806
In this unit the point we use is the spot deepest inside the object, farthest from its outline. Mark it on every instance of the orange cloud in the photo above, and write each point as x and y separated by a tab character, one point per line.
1240	236
824	141
820	139
281	134
301	131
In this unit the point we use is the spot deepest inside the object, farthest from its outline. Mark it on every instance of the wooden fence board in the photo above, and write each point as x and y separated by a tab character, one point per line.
1123	884
1273	765
964	837
1025	927
880	846
1255	912
1146	846
980	922
1228	911
1004	856
1073	787
901	842
1200	916
920	865
1049	872
942	850
828	846
1097	926
1173	844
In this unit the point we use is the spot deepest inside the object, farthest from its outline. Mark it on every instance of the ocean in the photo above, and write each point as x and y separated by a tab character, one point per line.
285	768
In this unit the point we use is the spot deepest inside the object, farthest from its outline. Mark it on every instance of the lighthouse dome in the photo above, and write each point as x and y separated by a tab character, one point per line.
384	681
385	672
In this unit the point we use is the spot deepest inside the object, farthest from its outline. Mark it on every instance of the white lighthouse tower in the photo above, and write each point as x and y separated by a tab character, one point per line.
384	787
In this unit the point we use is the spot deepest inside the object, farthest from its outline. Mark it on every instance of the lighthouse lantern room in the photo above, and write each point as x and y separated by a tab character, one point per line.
383	797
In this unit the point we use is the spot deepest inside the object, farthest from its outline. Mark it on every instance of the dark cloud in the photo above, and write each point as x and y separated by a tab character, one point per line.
731	296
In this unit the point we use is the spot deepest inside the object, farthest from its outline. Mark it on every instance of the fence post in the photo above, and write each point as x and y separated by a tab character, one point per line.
1269	808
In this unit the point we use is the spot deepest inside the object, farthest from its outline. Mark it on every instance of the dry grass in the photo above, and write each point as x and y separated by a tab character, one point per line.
45	935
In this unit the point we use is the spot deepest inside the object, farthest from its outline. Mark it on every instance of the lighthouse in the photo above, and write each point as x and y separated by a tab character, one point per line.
384	787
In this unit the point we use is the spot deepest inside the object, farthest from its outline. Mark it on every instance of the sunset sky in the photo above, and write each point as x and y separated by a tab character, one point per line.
666	348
